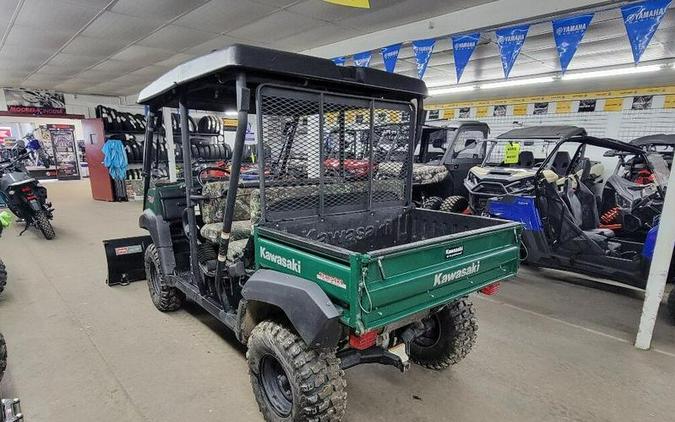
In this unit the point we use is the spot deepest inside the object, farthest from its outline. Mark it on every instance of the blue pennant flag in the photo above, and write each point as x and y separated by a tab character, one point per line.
642	20
340	61
510	41
568	33
462	49
362	59
389	56
423	50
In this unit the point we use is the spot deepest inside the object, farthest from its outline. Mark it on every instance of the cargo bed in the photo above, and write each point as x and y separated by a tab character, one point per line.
393	262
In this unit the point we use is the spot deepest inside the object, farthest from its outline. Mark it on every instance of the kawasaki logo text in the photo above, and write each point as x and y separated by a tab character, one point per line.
442	278
289	263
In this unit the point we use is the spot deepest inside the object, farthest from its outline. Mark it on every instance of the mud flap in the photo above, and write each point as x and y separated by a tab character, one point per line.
125	259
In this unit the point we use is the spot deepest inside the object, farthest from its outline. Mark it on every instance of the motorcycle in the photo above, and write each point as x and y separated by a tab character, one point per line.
5	220
23	194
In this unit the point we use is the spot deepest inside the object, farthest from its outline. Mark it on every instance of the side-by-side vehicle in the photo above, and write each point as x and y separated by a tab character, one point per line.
315	268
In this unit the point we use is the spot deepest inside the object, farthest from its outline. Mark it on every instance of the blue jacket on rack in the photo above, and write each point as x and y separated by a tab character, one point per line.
115	159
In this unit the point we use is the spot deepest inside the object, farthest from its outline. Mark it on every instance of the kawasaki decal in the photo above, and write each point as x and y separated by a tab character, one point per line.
446	277
289	263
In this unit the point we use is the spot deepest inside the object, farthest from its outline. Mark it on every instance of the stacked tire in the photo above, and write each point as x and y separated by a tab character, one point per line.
455	203
120	121
210	124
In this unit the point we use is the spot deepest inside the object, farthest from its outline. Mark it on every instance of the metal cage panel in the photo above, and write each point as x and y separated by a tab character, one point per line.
324	153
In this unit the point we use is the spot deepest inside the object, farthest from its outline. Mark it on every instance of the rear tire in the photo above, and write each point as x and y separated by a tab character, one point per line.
432	203
451	333
165	298
455	203
3	357
671	305
3	276
292	381
42	222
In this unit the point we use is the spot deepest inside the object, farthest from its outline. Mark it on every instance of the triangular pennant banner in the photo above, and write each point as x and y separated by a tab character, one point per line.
568	33
642	20
340	61
362	59
462	49
390	56
510	41
423	50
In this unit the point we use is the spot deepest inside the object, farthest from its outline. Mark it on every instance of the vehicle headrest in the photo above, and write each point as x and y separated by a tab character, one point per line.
561	162
526	159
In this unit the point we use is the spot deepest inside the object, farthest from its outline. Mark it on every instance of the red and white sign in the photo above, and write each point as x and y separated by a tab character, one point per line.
5	132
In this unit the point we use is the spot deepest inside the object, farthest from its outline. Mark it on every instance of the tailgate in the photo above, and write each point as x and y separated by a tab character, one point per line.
431	273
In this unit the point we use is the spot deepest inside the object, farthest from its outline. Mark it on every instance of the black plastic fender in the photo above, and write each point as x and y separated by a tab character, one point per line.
161	236
307	307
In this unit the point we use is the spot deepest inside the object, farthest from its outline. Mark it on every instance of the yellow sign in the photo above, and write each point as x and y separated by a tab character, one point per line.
230	122
511	153
670	101
563	107
661	90
520	109
362	4
614	104
481	112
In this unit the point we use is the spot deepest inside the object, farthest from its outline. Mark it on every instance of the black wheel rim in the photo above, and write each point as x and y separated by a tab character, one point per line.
276	385
432	332
154	280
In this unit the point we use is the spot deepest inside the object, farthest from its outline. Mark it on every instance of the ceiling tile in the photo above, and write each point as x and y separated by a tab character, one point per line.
160	9
176	59
176	38
277	3
279	25
55	14
73	61
117	67
43	37
94	47
325	34
224	15
142	55
114	26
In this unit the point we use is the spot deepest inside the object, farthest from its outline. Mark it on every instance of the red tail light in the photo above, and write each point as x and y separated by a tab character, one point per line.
363	341
492	289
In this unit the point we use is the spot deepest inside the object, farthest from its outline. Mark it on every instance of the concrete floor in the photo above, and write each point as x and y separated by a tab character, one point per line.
547	350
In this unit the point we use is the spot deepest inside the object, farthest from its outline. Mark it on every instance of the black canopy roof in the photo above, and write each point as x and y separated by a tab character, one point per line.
660	139
608	143
209	80
543	132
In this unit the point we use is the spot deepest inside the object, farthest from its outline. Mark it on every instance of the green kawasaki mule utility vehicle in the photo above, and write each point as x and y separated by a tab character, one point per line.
315	266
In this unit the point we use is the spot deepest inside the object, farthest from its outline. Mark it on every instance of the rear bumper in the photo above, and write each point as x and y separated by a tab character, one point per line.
11	410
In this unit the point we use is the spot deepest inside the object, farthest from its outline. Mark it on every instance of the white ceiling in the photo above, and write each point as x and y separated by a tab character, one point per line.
116	47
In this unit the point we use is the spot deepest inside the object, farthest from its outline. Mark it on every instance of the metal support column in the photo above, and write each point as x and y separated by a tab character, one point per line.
658	272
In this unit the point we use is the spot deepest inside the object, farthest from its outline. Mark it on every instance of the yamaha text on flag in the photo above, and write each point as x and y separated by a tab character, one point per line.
462	49
510	41
568	33
642	20
362	59
423	50
389	56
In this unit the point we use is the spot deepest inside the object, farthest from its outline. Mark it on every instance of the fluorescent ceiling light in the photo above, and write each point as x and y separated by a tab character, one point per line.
517	82
451	90
231	113
611	72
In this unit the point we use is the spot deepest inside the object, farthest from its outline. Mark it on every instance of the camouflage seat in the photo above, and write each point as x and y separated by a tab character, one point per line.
212	213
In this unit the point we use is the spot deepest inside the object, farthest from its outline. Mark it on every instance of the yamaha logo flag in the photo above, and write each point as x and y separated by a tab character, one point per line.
462	49
642	20
340	61
510	41
568	33
389	56
423	50
362	59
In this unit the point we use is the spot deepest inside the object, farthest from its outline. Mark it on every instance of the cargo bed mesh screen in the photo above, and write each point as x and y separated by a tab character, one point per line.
324	153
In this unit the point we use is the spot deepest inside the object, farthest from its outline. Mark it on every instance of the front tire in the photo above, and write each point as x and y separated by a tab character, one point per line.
3	276
292	381
42	223
165	298
450	335
455	203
